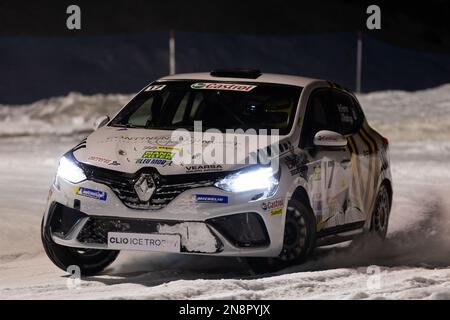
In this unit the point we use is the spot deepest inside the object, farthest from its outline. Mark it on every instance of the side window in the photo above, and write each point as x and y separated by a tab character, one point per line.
319	116
348	115
143	114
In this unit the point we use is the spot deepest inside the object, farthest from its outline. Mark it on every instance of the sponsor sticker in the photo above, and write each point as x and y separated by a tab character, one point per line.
326	138
317	172
296	164
114	163
320	222
164	155
210	198
222	86
164	148
272	205
276	211
100	159
104	161
317	202
144	242
91	193
155	87
158	162
203	168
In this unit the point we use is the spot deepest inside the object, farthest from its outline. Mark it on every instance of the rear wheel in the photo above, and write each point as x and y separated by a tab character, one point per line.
90	261
299	240
380	214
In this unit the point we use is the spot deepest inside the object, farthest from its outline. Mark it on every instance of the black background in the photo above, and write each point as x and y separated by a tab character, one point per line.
123	45
423	25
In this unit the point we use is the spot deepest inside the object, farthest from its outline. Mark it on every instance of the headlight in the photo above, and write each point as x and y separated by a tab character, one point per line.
260	178
69	171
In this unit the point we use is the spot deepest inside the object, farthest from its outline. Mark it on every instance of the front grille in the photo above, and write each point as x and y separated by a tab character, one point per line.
167	187
96	228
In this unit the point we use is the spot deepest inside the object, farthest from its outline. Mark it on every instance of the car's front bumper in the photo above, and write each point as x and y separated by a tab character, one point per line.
240	227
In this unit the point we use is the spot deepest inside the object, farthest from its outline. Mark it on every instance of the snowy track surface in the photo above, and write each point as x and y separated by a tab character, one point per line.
414	261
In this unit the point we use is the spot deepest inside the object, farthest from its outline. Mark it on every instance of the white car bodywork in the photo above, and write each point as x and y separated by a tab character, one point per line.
341	184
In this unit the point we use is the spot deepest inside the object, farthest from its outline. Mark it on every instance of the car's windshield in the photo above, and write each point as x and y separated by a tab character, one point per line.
219	105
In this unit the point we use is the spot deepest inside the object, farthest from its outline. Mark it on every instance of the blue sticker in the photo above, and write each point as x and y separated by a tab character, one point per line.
209	198
91	193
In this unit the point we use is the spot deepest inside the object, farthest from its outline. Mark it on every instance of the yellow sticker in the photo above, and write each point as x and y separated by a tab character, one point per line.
317	173
168	148
157	155
320	223
276	211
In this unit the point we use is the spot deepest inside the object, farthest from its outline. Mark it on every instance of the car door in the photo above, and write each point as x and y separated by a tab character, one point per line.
348	121
329	168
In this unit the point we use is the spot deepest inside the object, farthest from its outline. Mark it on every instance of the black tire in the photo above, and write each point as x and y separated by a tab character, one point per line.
299	240
381	211
90	261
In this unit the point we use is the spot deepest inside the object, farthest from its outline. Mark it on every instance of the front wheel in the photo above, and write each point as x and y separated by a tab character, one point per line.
299	240
90	261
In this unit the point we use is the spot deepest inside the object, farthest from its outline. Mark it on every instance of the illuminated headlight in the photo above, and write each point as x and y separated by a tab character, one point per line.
260	178
69	171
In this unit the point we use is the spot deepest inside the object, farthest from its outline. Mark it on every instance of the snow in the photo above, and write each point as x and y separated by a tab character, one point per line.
413	263
410	116
194	236
73	113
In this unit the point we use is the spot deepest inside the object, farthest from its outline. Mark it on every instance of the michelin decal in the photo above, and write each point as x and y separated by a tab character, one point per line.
210	198
91	193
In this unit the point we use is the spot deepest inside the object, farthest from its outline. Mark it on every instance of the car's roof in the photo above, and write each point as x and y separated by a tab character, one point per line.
263	78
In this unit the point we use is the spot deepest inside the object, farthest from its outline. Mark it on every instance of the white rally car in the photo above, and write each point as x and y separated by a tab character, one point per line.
122	188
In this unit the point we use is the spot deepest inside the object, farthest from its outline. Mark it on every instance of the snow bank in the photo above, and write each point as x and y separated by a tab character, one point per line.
73	113
409	116
400	115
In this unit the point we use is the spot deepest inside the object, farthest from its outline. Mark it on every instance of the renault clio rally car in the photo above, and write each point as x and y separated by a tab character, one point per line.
120	189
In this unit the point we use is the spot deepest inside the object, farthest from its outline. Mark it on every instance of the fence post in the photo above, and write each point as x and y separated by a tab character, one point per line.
171	52
359	62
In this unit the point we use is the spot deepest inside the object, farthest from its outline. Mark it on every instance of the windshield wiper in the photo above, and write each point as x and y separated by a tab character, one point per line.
126	125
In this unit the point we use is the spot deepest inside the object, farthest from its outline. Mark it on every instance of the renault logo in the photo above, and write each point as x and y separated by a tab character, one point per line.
145	187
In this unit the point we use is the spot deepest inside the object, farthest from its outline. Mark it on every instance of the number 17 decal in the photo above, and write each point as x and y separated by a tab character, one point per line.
330	176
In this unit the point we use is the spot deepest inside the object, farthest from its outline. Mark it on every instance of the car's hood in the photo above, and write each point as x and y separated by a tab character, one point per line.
130	149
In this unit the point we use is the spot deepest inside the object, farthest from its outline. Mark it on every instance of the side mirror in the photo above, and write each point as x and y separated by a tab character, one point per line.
326	138
100	122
